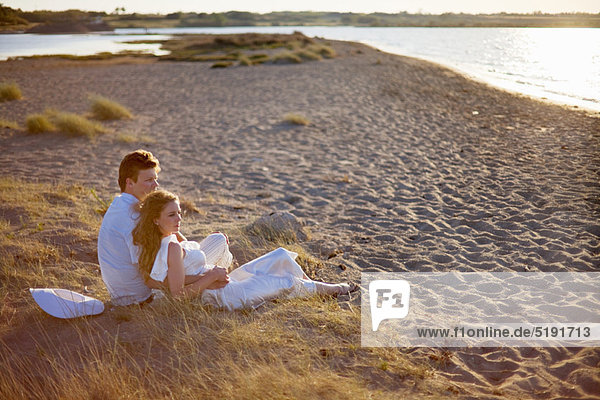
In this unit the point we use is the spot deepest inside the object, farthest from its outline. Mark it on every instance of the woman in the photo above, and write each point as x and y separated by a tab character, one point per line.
182	268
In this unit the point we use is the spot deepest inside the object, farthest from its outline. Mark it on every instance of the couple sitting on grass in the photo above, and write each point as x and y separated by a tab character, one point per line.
140	248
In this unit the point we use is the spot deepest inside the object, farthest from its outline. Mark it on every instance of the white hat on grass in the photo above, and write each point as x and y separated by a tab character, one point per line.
63	303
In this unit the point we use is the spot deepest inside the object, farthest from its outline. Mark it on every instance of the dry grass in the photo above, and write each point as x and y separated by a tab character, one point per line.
286	57
9	91
223	64
245	61
4	123
296	119
129	138
298	348
38	123
106	109
45	227
308	55
75	125
324	50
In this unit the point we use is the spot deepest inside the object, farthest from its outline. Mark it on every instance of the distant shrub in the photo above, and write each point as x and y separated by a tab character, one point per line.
259	58
8	124
105	109
245	61
223	64
9	91
75	125
294	45
129	138
38	123
296	119
308	55
286	57
323	50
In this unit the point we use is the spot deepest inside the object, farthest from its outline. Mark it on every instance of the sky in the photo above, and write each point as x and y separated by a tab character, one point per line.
358	6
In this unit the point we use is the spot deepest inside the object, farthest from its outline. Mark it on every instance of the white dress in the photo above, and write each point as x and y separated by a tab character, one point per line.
276	274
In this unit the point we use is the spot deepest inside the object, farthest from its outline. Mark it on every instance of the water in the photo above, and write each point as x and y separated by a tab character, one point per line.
560	64
27	44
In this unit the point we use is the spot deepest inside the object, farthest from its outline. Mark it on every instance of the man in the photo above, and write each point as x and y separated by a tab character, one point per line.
138	176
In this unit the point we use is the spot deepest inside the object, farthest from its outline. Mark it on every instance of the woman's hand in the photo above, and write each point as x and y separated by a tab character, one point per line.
216	278
221	279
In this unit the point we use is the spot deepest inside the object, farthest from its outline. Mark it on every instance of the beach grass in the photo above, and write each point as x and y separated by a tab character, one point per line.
296	119
308	55
296	348
4	123
245	61
286	57
222	64
128	138
10	91
106	109
74	125
39	123
322	49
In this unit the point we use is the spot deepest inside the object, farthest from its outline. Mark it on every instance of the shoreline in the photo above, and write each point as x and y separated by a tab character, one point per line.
574	104
516	87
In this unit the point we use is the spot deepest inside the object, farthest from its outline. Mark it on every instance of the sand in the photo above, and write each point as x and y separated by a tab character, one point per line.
405	166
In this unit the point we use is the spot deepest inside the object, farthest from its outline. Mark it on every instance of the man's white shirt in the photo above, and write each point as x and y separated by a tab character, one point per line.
117	254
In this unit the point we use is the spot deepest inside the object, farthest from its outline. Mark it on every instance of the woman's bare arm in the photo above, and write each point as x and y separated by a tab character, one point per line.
176	275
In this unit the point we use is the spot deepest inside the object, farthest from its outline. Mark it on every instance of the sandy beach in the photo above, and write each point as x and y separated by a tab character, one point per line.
405	166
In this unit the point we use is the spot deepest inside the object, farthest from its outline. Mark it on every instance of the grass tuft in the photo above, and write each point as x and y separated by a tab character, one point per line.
308	55
322	49
9	124
296	119
10	91
129	138
259	58
105	109
223	64
245	61
286	58
75	125
38	123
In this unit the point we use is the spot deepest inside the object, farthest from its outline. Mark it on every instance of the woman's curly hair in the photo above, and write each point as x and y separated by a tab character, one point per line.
146	234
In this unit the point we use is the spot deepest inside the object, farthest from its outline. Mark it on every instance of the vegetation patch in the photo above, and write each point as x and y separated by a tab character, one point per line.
297	348
105	109
308	55
222	64
296	119
75	125
286	58
10	91
39	123
129	138
4	123
245	61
